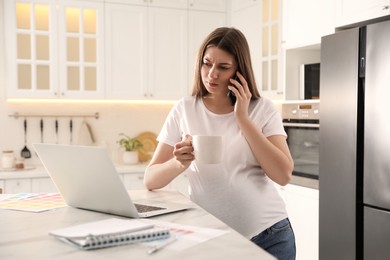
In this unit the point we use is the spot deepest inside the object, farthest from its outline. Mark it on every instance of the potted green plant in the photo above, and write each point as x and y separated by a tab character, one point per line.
131	146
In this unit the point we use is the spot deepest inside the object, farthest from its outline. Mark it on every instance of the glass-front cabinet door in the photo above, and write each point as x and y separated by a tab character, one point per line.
30	48
271	64
80	62
53	49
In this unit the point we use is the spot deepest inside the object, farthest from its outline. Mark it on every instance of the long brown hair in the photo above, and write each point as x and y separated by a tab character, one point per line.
234	42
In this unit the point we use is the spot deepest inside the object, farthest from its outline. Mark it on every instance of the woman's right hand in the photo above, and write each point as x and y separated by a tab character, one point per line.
184	152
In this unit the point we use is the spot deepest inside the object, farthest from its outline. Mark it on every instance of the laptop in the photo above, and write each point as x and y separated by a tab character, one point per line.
87	179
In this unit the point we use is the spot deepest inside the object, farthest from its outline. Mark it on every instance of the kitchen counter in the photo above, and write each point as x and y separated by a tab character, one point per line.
40	172
25	234
305	182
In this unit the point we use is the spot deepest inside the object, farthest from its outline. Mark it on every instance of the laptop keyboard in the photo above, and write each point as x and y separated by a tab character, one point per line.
146	208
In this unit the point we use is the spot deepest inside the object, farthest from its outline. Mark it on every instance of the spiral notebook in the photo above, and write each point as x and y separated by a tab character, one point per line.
110	232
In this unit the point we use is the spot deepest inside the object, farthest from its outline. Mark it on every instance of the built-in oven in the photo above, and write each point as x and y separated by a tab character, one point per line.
301	123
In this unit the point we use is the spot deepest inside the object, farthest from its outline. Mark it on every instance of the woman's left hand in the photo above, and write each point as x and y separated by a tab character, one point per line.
243	96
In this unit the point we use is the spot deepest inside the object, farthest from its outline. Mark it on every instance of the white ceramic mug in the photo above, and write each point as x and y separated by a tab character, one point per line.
208	149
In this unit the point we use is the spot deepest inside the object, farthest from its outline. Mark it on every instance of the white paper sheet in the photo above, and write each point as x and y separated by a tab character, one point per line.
188	236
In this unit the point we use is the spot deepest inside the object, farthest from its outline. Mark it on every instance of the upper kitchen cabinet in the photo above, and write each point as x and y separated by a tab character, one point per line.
207	5
126	51
54	49
306	21
246	16
261	23
243	4
168	53
80	42
271	50
181	4
151	47
146	51
203	18
353	11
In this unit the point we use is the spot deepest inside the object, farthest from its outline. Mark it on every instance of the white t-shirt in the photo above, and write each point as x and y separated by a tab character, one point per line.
237	191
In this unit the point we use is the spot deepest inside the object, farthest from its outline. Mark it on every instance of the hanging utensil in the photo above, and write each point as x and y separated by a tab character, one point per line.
25	153
71	130
41	130
56	125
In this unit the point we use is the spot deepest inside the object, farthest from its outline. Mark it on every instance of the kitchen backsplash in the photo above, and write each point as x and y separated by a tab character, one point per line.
131	119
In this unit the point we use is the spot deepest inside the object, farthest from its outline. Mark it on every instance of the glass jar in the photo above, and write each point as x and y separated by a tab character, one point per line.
8	159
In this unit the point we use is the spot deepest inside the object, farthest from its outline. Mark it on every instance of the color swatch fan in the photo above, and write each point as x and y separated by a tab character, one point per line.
33	202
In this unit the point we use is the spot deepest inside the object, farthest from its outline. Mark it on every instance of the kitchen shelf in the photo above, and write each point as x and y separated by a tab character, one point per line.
16	115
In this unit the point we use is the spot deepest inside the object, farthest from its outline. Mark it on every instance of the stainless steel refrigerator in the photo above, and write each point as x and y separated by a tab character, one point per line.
354	175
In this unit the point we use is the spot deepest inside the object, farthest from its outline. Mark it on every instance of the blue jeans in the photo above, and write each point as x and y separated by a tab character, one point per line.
278	240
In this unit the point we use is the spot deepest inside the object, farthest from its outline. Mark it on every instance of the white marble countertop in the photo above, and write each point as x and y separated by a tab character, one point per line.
24	235
38	171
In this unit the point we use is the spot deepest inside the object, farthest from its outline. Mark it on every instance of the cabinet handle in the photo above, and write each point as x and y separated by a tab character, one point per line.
385	7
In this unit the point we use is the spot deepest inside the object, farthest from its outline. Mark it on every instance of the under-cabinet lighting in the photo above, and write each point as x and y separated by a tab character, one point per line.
90	101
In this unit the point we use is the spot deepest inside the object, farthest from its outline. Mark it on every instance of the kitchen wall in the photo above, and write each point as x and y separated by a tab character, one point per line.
115	118
131	119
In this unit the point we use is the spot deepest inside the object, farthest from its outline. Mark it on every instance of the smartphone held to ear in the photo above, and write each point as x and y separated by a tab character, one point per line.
231	95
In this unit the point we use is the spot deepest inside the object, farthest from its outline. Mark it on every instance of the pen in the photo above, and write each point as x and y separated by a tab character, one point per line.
162	245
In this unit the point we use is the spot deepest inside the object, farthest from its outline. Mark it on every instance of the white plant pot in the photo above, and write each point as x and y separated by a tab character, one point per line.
130	157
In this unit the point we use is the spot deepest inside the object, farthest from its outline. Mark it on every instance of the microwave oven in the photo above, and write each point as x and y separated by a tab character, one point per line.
309	81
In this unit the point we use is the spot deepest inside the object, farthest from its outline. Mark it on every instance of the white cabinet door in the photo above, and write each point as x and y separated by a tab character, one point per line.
302	27
54	49
35	185
2	187
180	183
146	51
208	5
261	23
46	185
126	51
81	57
248	20
272	56
31	49
17	186
168	48
200	24
303	208
242	4
354	11
133	181
181	4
